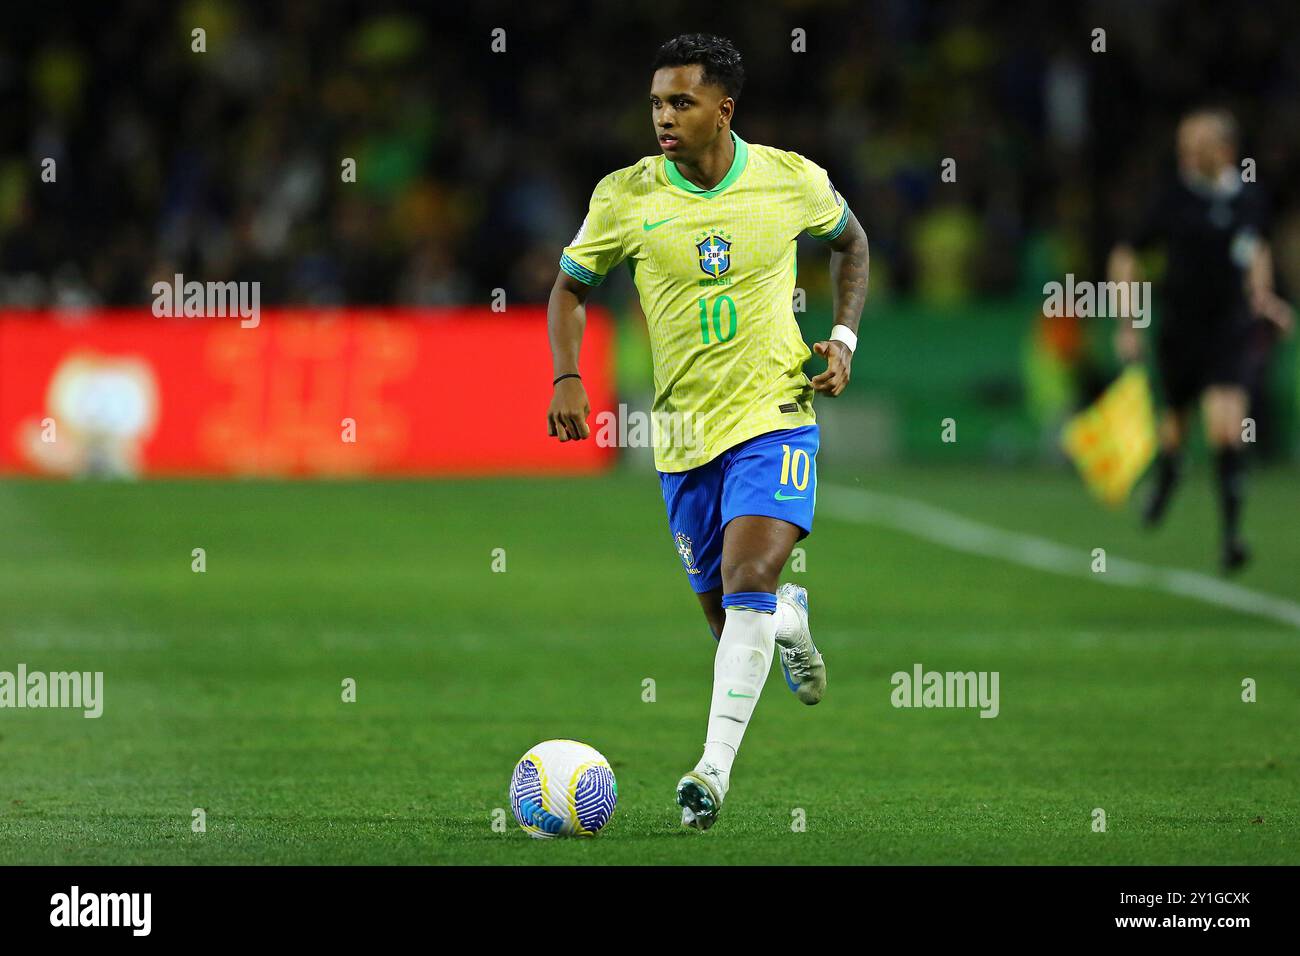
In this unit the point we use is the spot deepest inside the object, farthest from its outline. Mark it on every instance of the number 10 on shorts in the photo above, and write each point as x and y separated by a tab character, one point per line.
797	467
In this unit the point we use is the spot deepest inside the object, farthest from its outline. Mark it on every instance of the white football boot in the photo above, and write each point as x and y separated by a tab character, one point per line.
805	671
700	794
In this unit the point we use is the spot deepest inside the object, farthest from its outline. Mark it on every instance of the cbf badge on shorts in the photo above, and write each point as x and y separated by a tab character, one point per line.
684	549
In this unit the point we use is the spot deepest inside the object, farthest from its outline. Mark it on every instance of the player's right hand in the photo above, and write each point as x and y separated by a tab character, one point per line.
566	419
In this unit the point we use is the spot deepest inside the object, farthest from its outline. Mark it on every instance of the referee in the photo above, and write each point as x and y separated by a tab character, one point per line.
1218	304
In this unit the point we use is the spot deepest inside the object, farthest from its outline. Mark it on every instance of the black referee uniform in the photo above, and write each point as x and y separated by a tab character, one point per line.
1206	334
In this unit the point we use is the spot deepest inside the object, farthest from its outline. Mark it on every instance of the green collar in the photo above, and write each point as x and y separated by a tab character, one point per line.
737	167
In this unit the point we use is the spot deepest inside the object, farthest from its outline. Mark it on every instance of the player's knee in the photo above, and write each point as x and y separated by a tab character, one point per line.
1223	424
750	574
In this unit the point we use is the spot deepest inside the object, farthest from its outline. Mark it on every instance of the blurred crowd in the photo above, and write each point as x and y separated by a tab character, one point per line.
474	166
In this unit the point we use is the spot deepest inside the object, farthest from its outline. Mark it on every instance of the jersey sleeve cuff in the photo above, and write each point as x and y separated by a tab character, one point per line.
839	227
580	272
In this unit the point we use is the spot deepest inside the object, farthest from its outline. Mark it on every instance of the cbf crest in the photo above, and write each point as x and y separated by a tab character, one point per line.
684	549
714	249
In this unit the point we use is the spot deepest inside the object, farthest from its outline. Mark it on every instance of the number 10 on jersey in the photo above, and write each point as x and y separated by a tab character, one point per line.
717	319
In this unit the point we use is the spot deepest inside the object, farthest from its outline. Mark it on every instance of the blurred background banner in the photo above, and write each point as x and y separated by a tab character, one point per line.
344	156
305	393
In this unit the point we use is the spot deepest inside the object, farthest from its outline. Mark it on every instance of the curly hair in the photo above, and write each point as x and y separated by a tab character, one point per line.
718	55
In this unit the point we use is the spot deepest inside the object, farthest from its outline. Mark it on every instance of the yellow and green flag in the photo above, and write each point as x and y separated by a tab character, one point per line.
1113	440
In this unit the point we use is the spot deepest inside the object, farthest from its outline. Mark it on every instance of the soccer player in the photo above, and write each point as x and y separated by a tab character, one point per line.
1217	290
708	228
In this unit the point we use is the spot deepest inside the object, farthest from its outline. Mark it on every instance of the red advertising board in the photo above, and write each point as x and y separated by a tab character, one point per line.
303	393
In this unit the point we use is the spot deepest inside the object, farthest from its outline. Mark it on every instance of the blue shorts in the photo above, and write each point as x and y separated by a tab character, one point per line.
772	475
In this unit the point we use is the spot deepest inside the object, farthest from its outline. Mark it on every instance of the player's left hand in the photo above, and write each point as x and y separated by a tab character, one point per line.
839	359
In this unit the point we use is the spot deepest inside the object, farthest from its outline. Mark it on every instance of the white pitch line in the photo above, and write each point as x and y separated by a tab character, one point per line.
962	534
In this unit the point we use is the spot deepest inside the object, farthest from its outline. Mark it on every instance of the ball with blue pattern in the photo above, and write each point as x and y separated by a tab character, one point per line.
563	788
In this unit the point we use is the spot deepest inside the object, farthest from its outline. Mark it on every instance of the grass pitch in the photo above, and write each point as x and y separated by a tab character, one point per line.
223	689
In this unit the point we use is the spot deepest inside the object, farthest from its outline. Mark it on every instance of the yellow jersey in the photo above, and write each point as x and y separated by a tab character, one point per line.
715	271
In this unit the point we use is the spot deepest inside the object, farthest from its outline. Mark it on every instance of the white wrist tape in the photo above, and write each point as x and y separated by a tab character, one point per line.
842	333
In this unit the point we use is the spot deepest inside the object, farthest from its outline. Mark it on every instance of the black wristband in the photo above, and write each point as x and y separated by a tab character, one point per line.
566	375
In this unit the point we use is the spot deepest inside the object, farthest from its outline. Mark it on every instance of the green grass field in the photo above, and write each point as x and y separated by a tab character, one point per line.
222	689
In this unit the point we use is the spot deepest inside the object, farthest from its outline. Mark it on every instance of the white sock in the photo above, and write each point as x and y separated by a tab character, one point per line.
788	624
739	669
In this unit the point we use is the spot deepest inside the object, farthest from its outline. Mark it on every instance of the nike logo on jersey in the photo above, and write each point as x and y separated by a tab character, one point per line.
647	225
784	497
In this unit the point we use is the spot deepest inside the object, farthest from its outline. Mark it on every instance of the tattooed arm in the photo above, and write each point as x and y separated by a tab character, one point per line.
850	264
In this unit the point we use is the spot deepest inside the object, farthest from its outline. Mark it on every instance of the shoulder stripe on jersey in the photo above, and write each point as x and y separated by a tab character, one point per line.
844	221
579	271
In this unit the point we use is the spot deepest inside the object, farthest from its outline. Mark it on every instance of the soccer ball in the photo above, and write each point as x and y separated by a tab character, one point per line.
563	788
